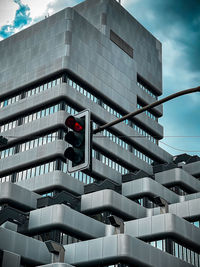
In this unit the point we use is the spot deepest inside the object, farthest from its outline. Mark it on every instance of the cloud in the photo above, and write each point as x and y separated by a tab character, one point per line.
176	25
179	20
23	13
7	12
39	9
22	18
6	31
176	70
181	119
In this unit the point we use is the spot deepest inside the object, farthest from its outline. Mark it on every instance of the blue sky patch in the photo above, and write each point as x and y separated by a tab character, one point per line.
6	31
22	18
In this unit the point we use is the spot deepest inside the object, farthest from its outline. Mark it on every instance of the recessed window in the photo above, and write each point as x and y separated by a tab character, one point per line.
121	43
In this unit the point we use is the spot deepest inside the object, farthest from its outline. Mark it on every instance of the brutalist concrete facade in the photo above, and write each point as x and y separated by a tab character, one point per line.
139	206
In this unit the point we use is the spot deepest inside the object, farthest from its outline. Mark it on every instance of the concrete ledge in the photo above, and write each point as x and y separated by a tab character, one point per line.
122	155
10	259
191	196
33	156
102	170
187	209
53	180
31	250
37	127
110	200
148	187
149	99
51	151
27	104
164	225
66	219
116	248
18	196
178	176
192	168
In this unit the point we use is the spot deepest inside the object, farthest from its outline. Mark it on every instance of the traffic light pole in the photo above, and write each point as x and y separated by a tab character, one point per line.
150	106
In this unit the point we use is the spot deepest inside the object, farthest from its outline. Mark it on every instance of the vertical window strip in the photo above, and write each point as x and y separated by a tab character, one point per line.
63	238
148	113
7	152
186	254
179	251
30	92
8	126
81	176
49	194
31	117
125	145
93	98
66	239
62	166
52	166
46	168
109	162
146	89
196	223
29	145
7	178
35	171
160	244
179	190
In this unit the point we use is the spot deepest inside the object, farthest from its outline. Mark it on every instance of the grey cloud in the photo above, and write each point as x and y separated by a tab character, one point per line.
172	17
185	15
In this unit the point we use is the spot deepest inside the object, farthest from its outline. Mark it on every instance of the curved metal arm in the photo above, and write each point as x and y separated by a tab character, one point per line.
150	106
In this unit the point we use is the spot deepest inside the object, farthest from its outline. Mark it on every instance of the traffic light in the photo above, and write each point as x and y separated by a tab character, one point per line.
78	154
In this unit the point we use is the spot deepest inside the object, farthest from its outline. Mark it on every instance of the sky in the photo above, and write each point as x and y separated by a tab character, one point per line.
176	24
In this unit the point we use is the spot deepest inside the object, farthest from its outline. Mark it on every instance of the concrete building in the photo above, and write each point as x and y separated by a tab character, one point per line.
139	206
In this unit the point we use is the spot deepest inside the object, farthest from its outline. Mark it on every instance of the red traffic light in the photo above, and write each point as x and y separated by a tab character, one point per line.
73	123
77	127
70	121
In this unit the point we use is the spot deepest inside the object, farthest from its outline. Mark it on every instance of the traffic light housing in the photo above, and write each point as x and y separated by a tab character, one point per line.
79	153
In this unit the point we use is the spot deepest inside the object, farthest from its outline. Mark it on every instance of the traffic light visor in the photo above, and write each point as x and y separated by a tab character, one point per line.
70	121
